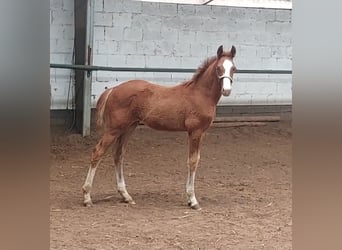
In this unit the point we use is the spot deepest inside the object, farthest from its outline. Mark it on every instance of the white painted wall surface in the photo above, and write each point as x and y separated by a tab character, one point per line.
148	34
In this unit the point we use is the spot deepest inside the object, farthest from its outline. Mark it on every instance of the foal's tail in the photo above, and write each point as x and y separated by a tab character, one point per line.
101	107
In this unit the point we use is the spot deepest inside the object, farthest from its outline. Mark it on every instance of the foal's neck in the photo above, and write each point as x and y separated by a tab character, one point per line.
210	85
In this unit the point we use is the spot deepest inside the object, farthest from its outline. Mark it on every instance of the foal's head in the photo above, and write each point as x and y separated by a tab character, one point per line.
225	69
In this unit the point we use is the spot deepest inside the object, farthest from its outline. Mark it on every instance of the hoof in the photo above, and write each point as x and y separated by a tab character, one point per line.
196	207
88	204
132	202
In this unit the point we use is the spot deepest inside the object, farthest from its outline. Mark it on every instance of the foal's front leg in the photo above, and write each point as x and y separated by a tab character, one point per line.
193	160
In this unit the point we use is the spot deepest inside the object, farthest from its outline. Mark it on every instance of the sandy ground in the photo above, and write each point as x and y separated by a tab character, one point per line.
243	185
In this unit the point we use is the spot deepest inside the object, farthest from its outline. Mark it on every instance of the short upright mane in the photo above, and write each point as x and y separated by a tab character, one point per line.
203	67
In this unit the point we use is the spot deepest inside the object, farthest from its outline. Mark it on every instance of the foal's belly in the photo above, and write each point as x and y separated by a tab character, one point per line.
165	121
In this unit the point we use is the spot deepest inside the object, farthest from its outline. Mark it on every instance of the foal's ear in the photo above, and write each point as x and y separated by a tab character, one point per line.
233	51
220	51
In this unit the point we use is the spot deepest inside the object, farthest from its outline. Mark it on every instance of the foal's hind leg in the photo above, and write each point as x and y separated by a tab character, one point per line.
100	149
118	151
193	160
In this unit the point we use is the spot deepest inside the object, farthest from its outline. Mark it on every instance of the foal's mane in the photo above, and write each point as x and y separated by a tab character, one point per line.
203	67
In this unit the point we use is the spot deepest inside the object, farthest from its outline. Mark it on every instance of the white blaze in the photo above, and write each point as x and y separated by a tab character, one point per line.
227	84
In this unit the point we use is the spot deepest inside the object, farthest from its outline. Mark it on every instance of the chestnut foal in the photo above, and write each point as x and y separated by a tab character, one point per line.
189	106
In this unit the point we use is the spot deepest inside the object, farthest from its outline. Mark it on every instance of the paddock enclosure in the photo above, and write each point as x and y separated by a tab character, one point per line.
243	182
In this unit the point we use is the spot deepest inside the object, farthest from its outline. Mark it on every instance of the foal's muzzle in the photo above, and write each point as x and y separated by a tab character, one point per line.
226	85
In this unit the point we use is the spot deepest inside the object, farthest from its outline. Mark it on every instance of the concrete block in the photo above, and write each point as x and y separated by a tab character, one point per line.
191	23
284	88
133	34
101	60
64	46
167	9
262	14
147	76
62	17
127	48
163	47
181	77
248	38
121	77
210	37
107	47
269	38
146	21
128	6
103	19
212	49
283	15
150	8
152	35
163	78
198	50
56	4
173	21
242	62
233	12
163	61
277	27
68	5
289	52
186	35
169	34
52	75
135	61
278	51
237	99
61	58
216	24
267	14
68	32
203	10
122	19
181	49
63	75
273	99
186	9
116	61
269	63
256	88
99	33
284	63
114	33
56	31
257	25
146	48
98	5
191	62
264	52
104	76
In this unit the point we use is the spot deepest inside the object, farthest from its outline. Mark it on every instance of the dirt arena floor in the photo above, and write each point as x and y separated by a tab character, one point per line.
243	185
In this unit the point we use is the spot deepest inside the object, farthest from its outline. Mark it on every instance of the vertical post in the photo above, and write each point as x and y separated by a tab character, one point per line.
83	56
88	74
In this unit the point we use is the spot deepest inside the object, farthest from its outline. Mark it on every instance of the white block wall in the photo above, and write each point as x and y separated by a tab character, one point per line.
149	34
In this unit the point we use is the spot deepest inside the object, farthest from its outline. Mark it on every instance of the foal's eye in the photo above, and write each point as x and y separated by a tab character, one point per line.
234	69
